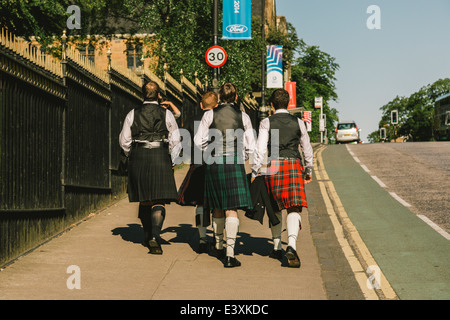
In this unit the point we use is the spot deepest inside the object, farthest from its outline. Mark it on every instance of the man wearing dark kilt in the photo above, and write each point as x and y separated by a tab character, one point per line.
151	139
226	136
281	134
192	188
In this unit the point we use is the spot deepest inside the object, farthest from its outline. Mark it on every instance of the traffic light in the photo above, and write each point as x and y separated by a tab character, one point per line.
394	117
382	133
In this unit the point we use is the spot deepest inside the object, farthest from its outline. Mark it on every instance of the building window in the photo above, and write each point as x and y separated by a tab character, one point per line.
134	55
88	51
91	53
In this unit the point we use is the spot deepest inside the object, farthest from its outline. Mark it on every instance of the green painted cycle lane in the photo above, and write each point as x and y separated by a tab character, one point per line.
414	258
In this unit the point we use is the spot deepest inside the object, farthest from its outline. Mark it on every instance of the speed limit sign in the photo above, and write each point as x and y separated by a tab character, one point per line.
216	56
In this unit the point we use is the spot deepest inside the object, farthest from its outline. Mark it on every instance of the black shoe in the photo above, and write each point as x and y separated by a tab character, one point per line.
146	240
218	253
292	257
231	262
203	247
146	243
276	254
155	246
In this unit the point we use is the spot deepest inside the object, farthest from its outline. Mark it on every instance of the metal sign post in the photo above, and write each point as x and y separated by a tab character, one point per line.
215	82
394	122
318	102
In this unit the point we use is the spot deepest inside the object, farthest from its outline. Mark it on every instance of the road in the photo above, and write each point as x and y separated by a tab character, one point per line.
376	215
418	172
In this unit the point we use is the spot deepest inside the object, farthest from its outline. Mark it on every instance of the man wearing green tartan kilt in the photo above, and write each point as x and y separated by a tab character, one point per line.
226	136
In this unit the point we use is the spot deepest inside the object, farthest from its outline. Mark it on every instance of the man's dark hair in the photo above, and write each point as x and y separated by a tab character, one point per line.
280	99
150	91
228	93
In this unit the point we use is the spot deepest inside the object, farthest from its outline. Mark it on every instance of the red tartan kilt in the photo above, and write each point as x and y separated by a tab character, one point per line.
284	180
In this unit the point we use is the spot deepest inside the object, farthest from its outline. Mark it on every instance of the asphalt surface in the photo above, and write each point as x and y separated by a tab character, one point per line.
413	256
419	172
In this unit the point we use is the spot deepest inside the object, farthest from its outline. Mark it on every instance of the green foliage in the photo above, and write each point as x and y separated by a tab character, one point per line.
47	18
415	113
314	73
289	40
30	18
182	32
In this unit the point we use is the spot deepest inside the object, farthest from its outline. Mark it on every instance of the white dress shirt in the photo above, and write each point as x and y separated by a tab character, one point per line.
263	140
125	137
202	136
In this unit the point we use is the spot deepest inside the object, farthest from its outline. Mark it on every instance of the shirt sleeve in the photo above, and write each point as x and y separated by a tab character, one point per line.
261	146
125	138
174	136
249	137
307	150
177	115
202	135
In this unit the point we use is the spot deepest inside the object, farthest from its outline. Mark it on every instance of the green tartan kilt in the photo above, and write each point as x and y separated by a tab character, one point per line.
226	186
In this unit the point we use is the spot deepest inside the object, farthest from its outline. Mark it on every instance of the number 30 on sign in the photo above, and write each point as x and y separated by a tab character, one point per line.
216	56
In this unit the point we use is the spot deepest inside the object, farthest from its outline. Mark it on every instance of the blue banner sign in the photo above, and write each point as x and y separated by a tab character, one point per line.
237	20
274	66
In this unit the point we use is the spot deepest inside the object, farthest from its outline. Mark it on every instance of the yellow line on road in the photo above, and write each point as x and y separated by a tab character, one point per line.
342	227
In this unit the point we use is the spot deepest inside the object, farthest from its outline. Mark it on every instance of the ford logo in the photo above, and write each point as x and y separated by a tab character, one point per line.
236	28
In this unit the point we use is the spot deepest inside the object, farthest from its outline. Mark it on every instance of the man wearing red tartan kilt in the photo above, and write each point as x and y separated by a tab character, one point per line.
191	190
281	135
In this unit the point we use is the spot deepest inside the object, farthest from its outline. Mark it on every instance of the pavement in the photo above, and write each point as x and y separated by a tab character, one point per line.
102	258
348	245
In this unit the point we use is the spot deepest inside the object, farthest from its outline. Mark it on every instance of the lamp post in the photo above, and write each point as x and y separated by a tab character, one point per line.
215	81
263	111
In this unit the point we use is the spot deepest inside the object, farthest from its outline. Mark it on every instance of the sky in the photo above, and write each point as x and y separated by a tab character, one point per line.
410	50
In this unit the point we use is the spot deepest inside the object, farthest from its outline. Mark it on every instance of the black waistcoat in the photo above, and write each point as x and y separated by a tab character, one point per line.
191	125
289	135
149	123
225	117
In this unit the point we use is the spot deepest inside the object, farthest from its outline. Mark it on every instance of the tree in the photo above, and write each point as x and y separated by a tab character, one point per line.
181	31
45	19
289	40
314	73
415	113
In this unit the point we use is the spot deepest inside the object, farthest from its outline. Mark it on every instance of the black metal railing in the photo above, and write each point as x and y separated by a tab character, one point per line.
59	126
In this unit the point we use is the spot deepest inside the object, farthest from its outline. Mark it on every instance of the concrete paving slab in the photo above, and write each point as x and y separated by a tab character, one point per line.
113	265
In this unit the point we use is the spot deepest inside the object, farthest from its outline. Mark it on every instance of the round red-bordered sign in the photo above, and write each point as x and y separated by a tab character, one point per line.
216	56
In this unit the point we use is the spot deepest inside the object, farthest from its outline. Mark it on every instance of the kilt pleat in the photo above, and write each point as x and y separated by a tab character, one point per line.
150	176
284	180
191	191
226	186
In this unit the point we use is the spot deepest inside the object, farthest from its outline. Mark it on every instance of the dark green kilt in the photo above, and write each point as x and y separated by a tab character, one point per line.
226	185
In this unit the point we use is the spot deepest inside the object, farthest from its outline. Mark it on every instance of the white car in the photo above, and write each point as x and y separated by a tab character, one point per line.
347	131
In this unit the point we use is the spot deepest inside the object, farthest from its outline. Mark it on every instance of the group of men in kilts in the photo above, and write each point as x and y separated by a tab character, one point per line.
217	181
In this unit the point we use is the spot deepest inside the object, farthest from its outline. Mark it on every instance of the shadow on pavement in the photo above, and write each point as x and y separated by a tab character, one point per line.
133	233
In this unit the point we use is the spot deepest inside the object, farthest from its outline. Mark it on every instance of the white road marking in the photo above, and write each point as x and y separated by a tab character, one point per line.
379	181
343	222
396	197
441	231
433	225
